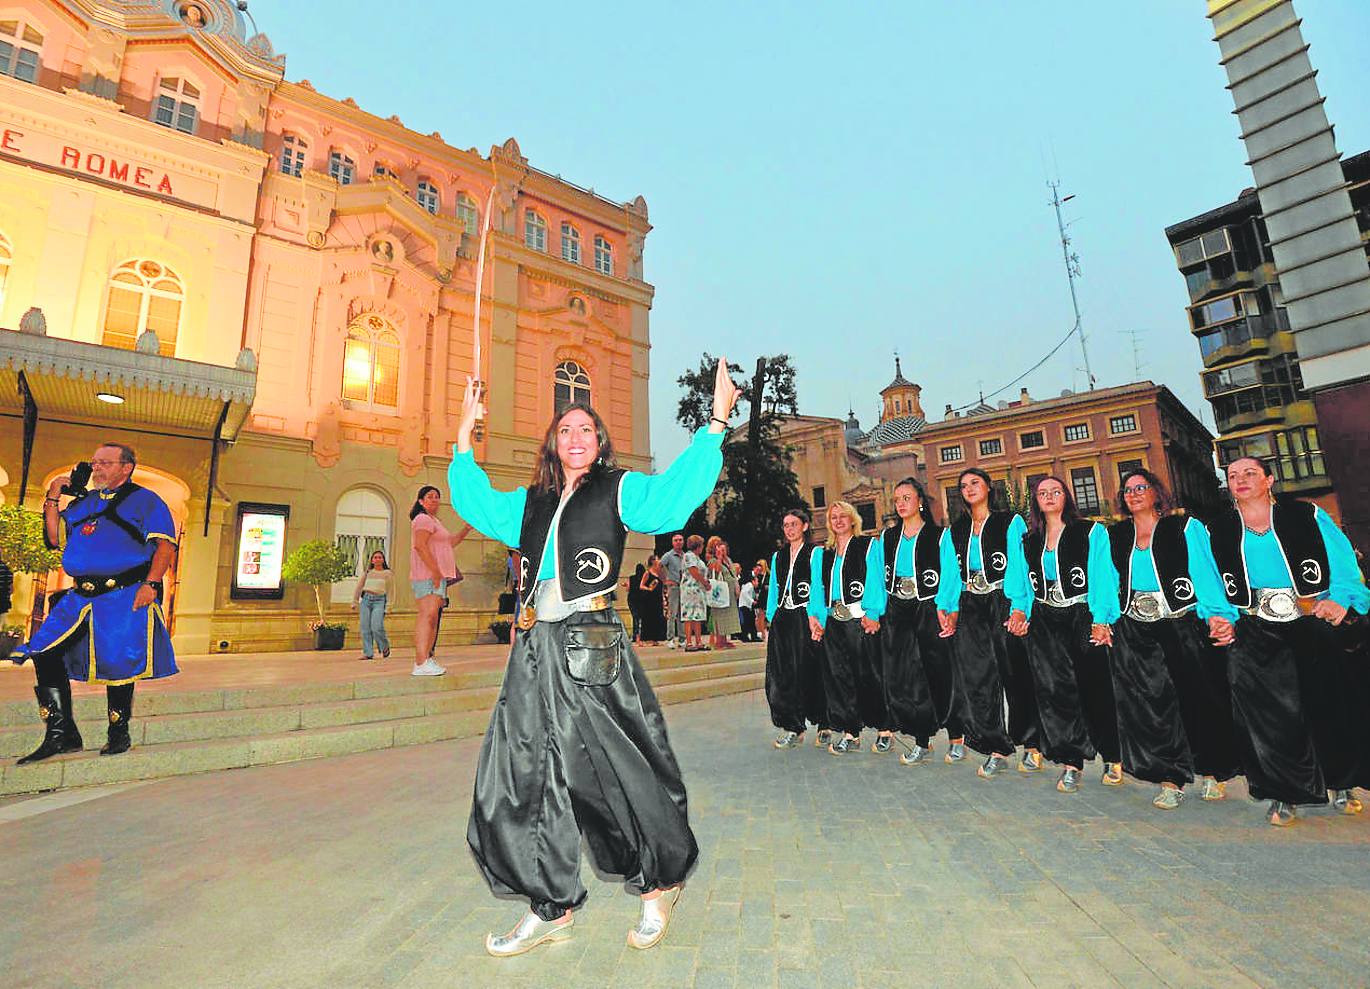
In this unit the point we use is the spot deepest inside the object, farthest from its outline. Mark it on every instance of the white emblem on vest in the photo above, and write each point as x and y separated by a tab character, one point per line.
1077	576
997	561
523	571
1311	570
1230	584
1184	588
856	588
803	588
592	565
1032	576
931	577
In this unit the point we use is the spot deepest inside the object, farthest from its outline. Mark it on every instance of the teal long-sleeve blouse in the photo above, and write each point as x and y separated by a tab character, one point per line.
945	600
873	599
1017	587
650	503
1267	567
1203	574
1102	596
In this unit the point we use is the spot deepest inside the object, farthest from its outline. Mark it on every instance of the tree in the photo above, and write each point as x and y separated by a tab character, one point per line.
24	550
758	483
317	562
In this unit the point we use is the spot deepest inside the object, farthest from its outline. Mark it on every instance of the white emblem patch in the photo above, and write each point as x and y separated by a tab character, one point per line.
1032	576
998	561
856	588
1077	576
1311	571
592	565
1184	589
931	578
802	587
523	571
1230	584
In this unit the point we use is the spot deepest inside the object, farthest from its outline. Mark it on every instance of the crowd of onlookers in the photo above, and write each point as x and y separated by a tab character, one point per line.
696	590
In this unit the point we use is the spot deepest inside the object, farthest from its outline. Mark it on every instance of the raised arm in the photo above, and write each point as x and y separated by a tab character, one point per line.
496	514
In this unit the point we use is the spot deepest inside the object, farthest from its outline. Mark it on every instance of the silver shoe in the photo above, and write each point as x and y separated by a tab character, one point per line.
881	745
1031	762
1280	814
527	934
656	916
916	756
844	745
1345	802
789	740
1069	781
993	766
1213	790
956	751
1168	799
824	737
1112	775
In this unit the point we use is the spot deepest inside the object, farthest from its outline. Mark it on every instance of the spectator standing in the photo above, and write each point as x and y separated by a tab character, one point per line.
694	594
723	618
633	586
673	565
370	597
432	566
653	602
746	602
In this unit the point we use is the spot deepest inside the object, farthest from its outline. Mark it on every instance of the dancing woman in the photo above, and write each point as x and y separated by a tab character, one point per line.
1075	601
994	599
1170	685
794	660
849	600
916	675
577	747
1299	705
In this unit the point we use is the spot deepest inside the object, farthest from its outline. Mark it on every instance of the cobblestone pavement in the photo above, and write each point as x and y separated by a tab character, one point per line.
814	871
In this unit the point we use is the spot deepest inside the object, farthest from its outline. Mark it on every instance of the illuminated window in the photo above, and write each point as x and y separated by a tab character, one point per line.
570	384
468	213
6	258
604	256
341	168
570	243
534	230
428	196
143	295
371	363
21	50
177	105
293	148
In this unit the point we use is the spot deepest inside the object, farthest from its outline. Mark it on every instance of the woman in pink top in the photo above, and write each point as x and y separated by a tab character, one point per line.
432	564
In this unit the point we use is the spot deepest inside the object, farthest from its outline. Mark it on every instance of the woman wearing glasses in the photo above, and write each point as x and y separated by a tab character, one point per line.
1075	601
1170	684
1296	662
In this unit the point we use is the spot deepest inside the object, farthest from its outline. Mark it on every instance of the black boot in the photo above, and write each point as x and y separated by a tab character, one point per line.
120	701
61	733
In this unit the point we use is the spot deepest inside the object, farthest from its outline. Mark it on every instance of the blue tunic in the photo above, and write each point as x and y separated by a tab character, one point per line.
948	595
1267	567
102	638
1102	596
873	598
1017	585
1203	574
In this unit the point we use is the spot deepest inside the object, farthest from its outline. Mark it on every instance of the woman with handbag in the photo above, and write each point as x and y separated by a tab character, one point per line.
694	594
722	594
577	746
432	568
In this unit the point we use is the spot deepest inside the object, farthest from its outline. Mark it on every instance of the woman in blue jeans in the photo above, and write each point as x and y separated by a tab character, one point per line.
373	590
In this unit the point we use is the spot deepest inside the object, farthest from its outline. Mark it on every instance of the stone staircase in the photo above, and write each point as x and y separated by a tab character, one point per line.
180	731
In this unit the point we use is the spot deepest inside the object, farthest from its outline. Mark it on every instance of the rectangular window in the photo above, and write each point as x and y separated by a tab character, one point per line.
955	506
867	512
176	114
820	497
991	448
950	454
1126	467
21	63
1077	431
1032	440
341	168
292	160
1122	424
1201	248
1086	490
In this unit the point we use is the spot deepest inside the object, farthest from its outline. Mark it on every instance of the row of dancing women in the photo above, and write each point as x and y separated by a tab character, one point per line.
1170	649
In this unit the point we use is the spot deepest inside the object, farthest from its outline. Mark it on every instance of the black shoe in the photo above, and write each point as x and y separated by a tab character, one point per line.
120	701
61	735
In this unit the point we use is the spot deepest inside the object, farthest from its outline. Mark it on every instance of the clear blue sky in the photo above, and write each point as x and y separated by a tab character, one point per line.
837	181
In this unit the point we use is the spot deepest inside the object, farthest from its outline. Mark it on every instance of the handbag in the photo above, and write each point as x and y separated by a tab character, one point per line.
594	651
718	593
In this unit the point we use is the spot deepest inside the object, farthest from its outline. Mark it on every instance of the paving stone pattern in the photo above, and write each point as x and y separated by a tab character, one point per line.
815	870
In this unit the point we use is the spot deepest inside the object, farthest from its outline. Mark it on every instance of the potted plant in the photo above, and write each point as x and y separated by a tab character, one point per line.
319	563
500	629
23	550
10	636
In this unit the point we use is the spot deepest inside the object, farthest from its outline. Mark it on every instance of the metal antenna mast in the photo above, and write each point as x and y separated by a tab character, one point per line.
1134	333
1072	272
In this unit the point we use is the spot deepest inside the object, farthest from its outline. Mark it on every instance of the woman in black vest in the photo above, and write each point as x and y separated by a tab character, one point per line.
1297	662
850	601
1174	716
794	660
577	748
916	673
1075	602
987	646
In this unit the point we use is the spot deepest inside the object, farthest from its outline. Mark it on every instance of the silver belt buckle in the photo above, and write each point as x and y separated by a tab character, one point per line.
906	588
841	612
1277	605
1054	595
979	585
1146	606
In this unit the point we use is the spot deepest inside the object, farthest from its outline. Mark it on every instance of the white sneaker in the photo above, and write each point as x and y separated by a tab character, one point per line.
428	668
670	643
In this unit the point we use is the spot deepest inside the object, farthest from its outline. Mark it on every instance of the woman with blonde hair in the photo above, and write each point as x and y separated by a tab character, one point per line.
723	618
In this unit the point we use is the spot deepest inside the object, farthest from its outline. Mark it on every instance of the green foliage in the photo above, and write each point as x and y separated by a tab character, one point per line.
316	563
1018	496
21	541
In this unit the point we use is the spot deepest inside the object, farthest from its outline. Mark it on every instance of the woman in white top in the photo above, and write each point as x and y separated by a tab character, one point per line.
373	590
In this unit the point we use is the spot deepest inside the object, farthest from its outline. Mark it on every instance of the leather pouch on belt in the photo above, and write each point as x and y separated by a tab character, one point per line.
594	653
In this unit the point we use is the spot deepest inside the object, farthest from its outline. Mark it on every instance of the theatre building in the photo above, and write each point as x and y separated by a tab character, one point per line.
270	293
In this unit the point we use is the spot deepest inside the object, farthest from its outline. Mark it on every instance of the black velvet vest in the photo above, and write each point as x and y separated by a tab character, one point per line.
590	537
1072	560
1169	552
993	544
927	558
853	570
1296	530
799	590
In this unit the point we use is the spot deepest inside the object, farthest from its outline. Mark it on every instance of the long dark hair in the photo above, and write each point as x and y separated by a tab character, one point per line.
989	483
1165	501
1037	519
418	508
547	472
385	564
924	509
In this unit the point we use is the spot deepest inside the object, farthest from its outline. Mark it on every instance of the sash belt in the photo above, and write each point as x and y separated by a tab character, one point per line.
93	585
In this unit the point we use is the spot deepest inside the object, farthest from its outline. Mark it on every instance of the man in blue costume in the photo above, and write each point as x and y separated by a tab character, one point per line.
109	628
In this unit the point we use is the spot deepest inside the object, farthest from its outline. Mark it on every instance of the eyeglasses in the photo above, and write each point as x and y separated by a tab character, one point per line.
1051	494
1136	488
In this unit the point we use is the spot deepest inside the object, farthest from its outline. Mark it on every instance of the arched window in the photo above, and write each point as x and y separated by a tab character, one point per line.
143	295
21	50
6	258
570	243
534	230
362	526
428	196
604	256
570	384
178	104
371	363
341	167
293	148
468	213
